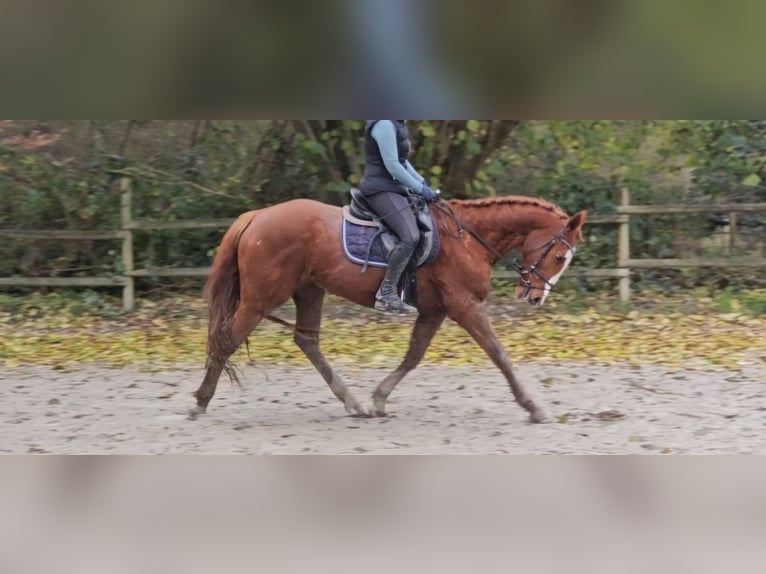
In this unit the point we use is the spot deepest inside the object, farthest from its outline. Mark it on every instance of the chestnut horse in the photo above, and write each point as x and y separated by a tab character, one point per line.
293	250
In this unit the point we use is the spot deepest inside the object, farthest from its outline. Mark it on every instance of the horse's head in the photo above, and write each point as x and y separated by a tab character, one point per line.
547	254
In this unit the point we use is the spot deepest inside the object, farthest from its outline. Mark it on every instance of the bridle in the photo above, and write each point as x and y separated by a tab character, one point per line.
525	274
535	268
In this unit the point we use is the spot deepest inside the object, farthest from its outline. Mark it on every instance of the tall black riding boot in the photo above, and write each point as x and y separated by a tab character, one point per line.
387	298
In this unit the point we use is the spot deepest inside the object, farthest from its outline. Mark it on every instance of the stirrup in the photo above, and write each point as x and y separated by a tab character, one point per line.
393	305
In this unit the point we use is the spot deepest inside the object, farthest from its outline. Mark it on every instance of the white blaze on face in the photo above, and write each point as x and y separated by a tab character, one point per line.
555	279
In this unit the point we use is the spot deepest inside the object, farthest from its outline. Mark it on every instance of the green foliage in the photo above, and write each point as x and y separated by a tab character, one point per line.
210	169
752	303
456	156
728	156
725	301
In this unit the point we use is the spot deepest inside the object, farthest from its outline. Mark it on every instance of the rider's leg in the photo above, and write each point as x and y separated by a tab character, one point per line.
398	215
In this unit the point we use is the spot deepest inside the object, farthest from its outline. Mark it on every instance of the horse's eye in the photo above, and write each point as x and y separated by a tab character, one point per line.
560	258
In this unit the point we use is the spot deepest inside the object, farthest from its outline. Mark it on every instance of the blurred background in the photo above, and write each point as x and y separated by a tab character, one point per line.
418	58
235	514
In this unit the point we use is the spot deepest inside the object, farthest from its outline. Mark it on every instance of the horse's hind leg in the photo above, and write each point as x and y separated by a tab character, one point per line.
426	327
245	320
309	300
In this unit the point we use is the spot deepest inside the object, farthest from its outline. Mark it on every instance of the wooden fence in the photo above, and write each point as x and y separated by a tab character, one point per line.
625	264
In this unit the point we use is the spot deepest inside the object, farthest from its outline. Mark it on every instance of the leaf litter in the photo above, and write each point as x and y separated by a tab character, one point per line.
174	331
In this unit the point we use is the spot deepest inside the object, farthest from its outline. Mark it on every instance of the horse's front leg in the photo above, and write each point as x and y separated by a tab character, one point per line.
426	327
474	319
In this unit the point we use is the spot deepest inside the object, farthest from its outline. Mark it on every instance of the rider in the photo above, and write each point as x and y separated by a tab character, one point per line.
388	175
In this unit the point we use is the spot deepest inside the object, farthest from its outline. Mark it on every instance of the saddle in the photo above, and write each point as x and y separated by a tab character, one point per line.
359	208
367	240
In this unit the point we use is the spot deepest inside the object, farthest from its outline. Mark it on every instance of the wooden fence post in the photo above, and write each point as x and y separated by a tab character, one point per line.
126	214
623	247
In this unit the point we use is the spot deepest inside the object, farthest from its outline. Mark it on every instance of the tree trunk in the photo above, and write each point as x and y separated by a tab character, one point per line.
343	148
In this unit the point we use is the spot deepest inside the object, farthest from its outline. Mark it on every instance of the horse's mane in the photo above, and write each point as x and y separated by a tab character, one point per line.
511	201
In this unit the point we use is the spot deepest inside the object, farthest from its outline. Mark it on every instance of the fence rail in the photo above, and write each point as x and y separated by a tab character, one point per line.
64	235
153	225
625	264
704	208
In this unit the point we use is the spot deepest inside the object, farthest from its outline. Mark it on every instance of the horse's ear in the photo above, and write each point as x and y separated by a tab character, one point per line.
575	225
577	222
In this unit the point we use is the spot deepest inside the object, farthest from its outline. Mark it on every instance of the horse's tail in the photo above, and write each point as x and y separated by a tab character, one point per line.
222	293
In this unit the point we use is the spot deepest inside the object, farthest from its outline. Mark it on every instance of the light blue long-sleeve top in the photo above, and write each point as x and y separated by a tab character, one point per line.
384	133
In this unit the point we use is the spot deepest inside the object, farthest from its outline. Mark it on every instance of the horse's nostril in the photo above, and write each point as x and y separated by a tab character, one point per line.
536	300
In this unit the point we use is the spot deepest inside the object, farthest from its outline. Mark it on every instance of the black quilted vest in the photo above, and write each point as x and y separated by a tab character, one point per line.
376	177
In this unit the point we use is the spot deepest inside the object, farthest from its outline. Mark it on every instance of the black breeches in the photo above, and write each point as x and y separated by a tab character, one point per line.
396	212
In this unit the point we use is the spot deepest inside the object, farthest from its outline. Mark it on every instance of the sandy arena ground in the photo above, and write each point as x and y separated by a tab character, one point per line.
437	410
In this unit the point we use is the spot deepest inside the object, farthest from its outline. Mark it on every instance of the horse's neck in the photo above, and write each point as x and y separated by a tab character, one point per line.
506	226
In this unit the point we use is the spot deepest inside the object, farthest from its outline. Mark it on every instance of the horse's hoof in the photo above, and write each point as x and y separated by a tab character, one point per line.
378	407
195	413
538	418
356	410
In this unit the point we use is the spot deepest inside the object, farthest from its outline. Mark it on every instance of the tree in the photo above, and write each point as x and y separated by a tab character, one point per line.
454	155
728	156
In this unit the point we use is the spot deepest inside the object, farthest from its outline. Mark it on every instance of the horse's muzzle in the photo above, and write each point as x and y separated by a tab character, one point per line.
534	297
